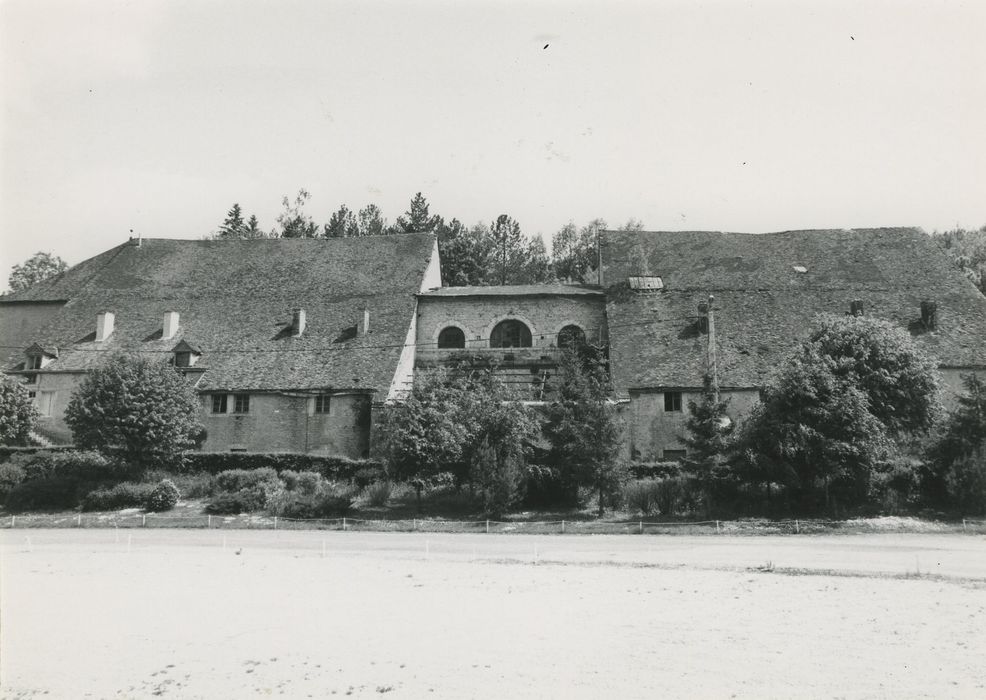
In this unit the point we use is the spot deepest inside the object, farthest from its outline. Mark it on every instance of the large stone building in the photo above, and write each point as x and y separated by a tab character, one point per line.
294	345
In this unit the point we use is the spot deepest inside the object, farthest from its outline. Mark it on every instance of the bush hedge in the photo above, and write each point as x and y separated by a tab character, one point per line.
362	472
654	470
58	493
125	495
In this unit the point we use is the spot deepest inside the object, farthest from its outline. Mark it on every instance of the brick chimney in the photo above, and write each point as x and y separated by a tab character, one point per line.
104	325
298	322
169	326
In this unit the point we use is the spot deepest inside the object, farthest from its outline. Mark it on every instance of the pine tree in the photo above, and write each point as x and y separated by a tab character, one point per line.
708	439
342	224
584	430
417	219
371	221
233	226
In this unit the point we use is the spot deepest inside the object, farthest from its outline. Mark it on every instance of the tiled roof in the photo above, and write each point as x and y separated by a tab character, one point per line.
764	305
526	290
235	299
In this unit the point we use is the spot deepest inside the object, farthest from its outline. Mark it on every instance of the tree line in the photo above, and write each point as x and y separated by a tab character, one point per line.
482	254
494	253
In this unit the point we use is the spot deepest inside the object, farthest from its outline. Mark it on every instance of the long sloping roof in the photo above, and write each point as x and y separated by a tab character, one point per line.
768	288
235	301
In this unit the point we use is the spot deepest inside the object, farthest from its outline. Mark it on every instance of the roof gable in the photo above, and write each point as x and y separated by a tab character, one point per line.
235	300
765	305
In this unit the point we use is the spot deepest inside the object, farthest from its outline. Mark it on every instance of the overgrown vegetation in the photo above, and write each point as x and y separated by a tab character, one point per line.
17	413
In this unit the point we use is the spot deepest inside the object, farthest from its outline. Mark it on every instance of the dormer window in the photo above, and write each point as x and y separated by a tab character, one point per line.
39	357
185	354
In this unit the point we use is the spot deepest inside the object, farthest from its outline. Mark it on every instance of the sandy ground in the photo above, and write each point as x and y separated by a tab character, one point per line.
193	614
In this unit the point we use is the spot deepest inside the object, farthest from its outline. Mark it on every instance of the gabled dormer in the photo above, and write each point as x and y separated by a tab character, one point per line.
39	357
186	354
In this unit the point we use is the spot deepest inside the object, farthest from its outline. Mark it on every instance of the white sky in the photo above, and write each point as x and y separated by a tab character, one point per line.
741	116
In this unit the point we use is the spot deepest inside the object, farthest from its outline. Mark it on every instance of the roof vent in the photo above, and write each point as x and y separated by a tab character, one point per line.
856	307
929	314
297	322
645	283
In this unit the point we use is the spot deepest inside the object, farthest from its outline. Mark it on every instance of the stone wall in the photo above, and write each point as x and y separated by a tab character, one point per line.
652	430
283	423
477	315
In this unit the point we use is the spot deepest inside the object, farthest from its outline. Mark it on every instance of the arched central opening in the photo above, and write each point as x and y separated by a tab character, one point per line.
450	338
571	337
510	334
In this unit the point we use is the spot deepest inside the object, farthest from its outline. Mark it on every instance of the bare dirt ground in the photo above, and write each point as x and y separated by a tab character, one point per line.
239	614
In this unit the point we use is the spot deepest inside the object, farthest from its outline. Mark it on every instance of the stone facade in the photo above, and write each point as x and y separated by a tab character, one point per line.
278	422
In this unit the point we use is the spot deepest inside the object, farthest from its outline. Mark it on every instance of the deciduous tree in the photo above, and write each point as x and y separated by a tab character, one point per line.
17	413
293	222
837	407
37	268
145	411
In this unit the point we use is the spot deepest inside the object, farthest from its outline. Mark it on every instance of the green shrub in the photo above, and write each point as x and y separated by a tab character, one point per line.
377	494
234	503
305	483
237	479
125	495
333	468
164	497
642	496
654	470
189	485
244	490
57	493
74	464
326	505
665	496
966	483
11	474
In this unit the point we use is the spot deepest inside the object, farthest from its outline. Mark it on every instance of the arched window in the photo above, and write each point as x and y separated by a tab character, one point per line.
510	334
571	337
451	337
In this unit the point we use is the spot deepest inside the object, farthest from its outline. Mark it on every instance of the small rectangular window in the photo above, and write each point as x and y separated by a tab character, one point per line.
31	394
183	359
322	403
241	403
672	400
219	403
674	455
46	403
34	362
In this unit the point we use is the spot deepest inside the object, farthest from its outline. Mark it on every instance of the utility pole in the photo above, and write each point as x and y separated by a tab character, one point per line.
712	367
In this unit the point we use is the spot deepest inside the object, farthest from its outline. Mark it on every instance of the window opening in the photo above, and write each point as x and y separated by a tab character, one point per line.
451	337
672	401
510	334
571	337
219	403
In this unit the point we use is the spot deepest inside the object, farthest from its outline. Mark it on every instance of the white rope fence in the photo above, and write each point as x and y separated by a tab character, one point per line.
265	522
